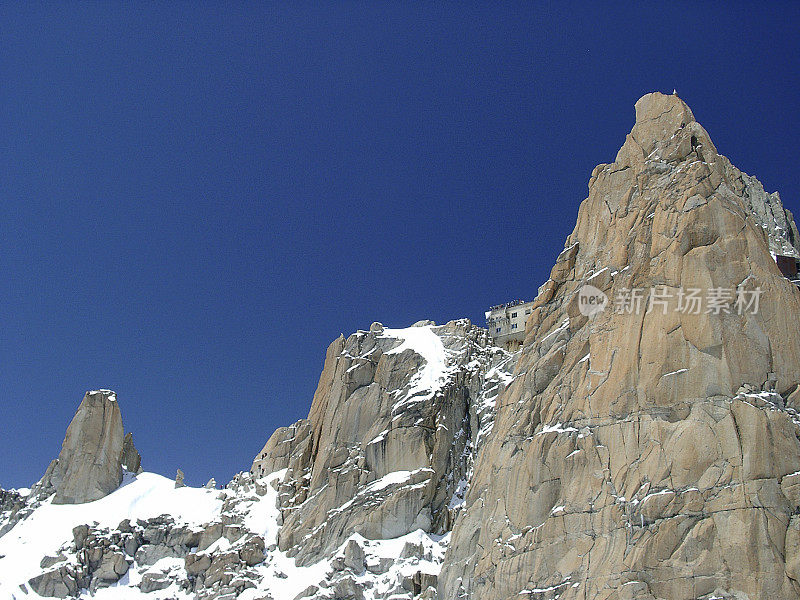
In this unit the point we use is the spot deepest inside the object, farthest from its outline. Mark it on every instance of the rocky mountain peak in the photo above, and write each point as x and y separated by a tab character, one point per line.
643	444
665	135
649	446
659	118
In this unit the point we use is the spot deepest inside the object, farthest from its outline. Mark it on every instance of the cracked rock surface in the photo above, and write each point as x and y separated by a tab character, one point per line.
649	455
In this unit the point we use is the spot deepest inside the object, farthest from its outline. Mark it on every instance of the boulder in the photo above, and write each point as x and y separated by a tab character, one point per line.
149	554
131	543
125	526
112	566
154	581
348	588
233	531
79	535
378	566
56	583
412	549
308	592
197	564
419	582
221	568
155	534
354	556
183	536
210	535
252	553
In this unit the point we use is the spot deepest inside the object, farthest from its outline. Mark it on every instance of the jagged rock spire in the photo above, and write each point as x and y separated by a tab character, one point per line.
648	450
89	465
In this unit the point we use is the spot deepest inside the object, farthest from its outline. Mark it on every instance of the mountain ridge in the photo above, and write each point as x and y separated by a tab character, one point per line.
619	454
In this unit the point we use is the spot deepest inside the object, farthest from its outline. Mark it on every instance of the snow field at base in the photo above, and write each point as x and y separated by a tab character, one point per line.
50	526
148	495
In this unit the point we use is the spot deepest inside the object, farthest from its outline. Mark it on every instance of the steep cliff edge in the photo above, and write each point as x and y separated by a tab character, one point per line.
649	451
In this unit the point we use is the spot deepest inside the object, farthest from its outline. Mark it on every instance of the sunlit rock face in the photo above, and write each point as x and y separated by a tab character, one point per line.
653	452
89	464
388	446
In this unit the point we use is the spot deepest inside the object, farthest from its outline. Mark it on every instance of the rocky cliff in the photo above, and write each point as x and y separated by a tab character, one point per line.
651	451
390	438
643	444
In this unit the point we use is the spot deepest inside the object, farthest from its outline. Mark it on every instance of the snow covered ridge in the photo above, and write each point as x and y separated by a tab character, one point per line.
366	515
151	540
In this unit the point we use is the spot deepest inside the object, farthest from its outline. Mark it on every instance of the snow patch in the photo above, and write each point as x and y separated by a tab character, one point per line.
557	428
431	377
50	526
675	372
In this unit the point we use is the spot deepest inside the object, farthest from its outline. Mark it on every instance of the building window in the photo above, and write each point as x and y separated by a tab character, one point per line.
513	315
497	330
514	326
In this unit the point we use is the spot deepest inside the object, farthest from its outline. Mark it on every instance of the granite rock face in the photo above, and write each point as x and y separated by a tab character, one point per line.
648	453
388	444
89	466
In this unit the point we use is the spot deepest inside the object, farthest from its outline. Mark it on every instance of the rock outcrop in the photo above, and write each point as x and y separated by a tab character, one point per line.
13	506
89	466
649	452
131	460
388	443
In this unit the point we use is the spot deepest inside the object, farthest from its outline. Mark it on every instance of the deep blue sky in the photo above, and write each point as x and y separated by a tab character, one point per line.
195	200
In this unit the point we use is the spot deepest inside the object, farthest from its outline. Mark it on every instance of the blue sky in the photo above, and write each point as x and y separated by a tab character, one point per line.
196	199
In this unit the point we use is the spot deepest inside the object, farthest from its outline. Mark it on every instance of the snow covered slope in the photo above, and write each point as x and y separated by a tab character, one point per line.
357	501
48	530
